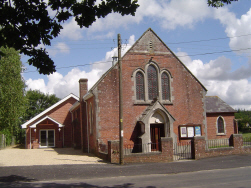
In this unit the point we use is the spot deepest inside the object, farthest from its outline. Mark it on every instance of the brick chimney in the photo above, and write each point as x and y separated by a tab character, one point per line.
83	88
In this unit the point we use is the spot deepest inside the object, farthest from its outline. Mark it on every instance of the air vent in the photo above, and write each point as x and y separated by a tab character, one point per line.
150	44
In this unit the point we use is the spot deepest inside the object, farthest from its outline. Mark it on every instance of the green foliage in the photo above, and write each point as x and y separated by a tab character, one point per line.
246	136
38	102
8	136
12	99
244	119
219	3
25	24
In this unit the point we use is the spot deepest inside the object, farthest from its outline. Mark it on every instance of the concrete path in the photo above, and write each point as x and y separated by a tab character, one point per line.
14	156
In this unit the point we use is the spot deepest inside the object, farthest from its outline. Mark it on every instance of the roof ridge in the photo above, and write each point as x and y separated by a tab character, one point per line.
24	126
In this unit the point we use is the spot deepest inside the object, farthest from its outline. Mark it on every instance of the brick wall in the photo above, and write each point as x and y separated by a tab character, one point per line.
165	155
107	109
91	111
199	149
212	125
187	105
83	88
76	128
198	145
62	115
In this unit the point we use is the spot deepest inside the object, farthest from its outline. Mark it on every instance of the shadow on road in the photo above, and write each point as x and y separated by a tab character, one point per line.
22	182
69	151
14	178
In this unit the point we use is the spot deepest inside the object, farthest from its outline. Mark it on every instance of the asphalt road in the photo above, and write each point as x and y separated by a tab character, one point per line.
133	175
223	178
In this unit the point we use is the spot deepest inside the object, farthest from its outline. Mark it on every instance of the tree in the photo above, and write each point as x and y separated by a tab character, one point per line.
244	120
25	24
38	102
219	3
12	99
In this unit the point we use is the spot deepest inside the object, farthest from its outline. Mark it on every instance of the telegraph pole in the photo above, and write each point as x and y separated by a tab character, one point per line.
121	133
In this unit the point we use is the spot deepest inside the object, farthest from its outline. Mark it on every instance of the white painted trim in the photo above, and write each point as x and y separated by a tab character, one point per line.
46	117
24	126
87	96
75	105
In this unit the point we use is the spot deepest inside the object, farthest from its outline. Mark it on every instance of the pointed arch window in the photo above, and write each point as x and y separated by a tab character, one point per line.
140	89
152	77
220	125
165	86
152	83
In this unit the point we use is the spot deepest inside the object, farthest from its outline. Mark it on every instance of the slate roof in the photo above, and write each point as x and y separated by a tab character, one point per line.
215	104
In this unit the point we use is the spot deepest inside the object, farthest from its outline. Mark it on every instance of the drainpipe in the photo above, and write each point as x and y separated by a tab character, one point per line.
25	139
30	137
63	137
87	127
72	132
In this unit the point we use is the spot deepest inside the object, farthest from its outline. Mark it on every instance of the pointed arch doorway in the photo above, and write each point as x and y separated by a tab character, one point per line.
155	122
157	131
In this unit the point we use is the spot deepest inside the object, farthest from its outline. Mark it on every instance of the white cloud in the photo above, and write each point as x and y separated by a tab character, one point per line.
182	13
233	92
217	75
61	85
38	84
218	69
236	27
71	30
64	85
59	47
231	86
168	14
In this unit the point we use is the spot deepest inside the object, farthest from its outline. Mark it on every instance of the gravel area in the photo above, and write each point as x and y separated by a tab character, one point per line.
14	156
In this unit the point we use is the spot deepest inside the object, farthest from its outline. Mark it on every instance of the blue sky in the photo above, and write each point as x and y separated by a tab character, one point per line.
215	44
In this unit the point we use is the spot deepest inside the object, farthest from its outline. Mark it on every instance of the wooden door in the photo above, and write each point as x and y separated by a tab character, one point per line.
157	131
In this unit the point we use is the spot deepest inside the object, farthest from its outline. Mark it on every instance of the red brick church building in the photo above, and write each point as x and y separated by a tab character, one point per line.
161	98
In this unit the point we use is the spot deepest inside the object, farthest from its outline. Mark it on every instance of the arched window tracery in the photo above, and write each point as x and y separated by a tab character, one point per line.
152	83
220	125
152	77
140	89
165	86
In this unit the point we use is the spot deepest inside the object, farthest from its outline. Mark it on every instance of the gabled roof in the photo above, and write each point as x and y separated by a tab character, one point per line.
89	93
215	105
151	108
24	126
135	44
46	117
170	51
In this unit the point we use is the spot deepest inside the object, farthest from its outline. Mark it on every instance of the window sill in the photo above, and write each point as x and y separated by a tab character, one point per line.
221	134
166	102
149	102
142	102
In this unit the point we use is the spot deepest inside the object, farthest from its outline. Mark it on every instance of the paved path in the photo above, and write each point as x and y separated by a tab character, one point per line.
14	156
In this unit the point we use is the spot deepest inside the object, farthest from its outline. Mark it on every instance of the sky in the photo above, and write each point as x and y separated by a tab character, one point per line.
215	45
